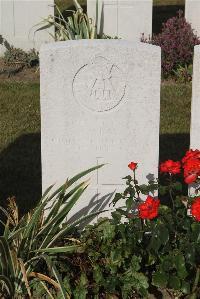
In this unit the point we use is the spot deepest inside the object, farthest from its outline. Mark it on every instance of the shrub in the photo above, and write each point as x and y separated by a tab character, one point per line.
76	26
29	245
146	246
17	56
177	41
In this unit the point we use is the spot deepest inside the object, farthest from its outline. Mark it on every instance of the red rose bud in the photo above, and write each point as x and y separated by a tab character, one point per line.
191	166
132	165
190	178
149	209
171	167
195	209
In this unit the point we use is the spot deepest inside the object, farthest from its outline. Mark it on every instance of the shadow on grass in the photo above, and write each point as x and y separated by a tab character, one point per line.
173	146
20	171
162	13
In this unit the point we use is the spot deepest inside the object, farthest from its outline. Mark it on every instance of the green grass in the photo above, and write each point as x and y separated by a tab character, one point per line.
20	171
174	120
65	4
168	2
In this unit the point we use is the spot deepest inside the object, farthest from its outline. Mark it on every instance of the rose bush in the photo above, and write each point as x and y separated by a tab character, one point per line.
148	246
166	234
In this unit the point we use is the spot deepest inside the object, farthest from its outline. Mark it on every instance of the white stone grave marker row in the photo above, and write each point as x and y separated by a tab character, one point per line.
17	21
192	14
126	19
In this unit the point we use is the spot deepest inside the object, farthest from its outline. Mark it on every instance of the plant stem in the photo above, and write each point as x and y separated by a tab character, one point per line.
171	197
196	281
170	192
134	180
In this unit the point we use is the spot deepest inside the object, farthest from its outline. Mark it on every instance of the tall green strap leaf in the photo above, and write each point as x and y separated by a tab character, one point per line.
68	228
57	220
63	249
6	258
53	212
7	283
83	173
50	263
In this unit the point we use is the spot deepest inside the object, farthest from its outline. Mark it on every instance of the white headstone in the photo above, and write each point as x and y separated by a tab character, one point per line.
100	103
195	119
192	14
126	19
18	19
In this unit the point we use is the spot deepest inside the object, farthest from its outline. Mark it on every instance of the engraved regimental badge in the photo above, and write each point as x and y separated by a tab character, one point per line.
99	85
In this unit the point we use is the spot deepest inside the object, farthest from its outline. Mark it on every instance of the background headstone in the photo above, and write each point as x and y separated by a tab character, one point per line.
17	21
126	19
195	108
192	14
195	119
100	103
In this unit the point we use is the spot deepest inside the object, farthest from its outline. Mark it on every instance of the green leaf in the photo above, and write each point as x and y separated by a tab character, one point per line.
51	264
174	282
64	249
129	203
177	186
155	243
179	261
190	254
116	215
163	234
195	231
185	287
163	190
117	197
7	284
6	260
160	279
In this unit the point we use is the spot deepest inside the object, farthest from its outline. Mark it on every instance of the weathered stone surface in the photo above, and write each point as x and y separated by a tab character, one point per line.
126	19
192	12
195	119
100	103
17	21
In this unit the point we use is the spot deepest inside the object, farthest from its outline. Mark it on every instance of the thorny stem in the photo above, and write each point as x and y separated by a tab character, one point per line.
138	195
135	183
170	193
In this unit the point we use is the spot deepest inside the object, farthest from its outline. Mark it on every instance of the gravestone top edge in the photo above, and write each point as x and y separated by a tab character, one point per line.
98	42
123	1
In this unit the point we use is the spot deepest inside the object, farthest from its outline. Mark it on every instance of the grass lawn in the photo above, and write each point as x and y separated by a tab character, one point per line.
168	2
20	170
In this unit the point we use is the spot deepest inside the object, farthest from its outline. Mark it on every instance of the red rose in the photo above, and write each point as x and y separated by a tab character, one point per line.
191	166
132	165
191	178
191	154
195	209
171	167
149	209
